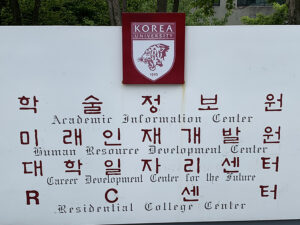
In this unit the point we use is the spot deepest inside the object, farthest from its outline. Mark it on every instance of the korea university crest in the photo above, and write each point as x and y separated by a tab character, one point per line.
153	48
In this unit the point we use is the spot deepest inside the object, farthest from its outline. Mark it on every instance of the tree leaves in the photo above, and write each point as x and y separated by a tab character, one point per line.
279	17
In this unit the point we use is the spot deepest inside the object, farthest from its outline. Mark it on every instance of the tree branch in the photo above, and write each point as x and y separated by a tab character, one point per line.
175	6
111	13
124	6
117	12
35	17
15	8
162	5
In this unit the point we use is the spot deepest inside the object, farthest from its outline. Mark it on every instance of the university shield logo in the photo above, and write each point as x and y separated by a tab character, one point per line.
153	47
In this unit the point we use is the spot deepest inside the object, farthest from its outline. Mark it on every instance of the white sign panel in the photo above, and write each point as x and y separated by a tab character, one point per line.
79	147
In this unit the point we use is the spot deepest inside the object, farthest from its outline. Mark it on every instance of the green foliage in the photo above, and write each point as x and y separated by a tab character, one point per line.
201	12
142	5
60	12
95	12
279	17
198	12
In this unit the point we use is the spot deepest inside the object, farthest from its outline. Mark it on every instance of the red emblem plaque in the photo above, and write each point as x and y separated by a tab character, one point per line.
153	48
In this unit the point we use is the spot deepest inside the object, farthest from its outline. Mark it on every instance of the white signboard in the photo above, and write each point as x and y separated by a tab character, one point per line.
79	147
